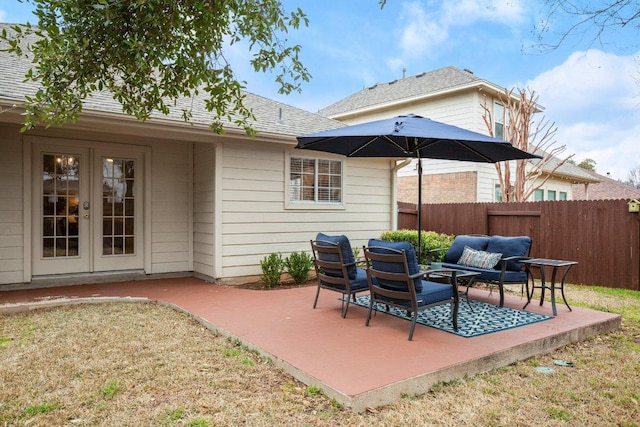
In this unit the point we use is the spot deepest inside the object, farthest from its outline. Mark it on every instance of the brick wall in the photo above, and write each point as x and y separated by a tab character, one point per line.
459	187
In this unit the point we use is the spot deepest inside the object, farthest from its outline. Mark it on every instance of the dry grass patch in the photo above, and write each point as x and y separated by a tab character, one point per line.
140	364
146	364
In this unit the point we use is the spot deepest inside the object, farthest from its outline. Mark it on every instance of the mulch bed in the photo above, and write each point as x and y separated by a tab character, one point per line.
260	285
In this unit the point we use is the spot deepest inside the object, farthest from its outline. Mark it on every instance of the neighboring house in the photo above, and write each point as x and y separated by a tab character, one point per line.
456	97
606	188
110	194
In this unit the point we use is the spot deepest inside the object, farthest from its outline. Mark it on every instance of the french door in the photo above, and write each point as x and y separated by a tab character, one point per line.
86	209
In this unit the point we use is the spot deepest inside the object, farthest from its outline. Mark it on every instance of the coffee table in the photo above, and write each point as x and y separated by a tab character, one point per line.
463	277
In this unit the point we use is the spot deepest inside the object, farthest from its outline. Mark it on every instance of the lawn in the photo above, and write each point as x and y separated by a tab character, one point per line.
131	364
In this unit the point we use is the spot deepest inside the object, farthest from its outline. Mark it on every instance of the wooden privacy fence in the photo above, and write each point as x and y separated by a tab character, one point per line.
601	235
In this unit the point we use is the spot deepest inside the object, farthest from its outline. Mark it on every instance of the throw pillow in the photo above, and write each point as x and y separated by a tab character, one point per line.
479	259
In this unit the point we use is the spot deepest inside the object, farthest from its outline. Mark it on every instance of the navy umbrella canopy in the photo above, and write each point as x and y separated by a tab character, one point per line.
412	136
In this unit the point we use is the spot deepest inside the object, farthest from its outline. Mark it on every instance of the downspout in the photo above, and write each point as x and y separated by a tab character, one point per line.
395	167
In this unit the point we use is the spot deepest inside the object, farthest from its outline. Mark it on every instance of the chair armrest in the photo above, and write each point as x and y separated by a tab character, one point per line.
516	257
503	261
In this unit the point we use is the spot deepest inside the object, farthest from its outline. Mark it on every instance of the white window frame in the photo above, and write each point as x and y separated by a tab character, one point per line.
497	192
499	118
314	204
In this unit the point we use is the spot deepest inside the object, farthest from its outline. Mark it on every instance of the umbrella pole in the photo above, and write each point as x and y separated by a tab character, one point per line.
419	210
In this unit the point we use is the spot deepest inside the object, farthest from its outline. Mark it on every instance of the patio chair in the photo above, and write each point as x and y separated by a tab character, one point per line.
395	280
336	269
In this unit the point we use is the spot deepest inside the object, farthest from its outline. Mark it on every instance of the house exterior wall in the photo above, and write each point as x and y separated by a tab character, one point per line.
460	109
463	109
439	188
556	185
171	181
258	220
12	195
204	209
167	216
215	207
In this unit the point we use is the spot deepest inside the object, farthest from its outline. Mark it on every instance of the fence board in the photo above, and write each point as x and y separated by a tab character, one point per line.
600	234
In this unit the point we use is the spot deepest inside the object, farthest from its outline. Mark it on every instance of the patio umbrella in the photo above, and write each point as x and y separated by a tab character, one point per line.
412	136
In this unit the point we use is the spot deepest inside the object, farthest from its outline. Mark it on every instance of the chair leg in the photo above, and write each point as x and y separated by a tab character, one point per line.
345	306
369	313
414	319
316	300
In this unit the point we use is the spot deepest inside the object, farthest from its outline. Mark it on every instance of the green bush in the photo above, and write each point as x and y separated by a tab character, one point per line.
298	265
272	269
430	241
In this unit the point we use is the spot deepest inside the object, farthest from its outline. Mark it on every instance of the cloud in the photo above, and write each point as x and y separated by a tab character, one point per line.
590	80
422	27
593	99
3	16
420	31
464	12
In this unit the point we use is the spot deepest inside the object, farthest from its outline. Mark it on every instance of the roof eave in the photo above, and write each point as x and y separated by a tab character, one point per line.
481	85
119	123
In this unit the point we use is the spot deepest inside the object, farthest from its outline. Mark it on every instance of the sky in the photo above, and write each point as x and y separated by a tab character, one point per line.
589	87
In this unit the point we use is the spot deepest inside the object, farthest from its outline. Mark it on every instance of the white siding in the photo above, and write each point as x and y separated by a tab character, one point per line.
556	185
171	207
11	206
256	223
216	209
462	109
203	208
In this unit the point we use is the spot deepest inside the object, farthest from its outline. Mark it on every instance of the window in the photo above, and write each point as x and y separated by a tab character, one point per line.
497	195
538	195
315	180
562	195
498	121
551	195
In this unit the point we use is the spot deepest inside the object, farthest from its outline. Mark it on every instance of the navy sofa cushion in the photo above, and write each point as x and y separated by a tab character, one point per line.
412	259
479	243
510	246
358	283
492	275
347	254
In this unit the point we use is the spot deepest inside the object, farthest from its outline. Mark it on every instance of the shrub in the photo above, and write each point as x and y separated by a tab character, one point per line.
429	240
272	269
298	265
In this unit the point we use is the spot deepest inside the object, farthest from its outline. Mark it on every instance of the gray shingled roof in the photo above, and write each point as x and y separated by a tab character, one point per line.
567	170
606	188
271	116
410	87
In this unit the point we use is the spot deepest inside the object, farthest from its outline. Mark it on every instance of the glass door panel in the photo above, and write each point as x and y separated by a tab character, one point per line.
118	206
60	199
60	229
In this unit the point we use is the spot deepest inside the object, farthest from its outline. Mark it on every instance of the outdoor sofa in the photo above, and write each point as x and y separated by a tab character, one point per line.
496	258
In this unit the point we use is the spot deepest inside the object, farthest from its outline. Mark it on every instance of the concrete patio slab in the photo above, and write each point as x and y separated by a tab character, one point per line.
341	356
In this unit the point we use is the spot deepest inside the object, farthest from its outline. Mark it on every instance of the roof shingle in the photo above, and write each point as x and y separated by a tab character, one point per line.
271	116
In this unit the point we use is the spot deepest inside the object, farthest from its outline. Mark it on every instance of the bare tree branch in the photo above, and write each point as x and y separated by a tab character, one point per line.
520	107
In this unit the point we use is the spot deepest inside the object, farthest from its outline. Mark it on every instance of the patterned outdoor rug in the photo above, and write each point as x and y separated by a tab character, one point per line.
484	319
